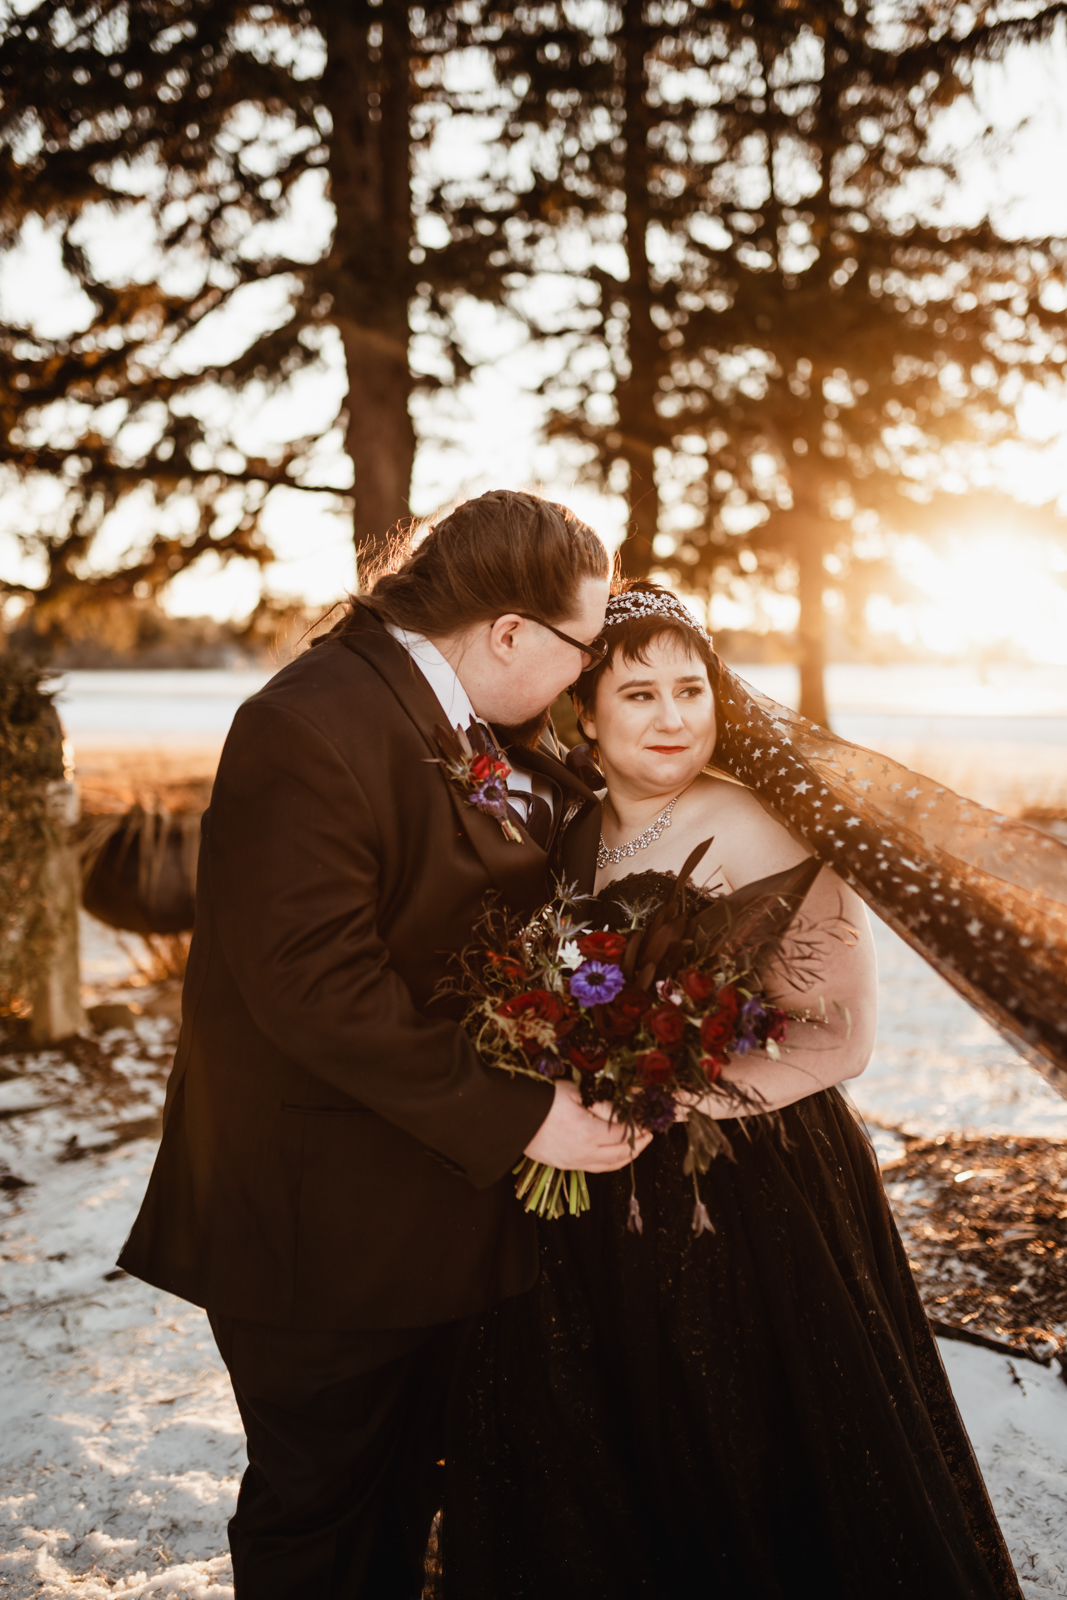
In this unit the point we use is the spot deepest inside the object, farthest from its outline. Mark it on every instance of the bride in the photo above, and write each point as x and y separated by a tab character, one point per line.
758	1413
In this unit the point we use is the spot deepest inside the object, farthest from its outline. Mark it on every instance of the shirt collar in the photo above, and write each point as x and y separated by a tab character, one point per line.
439	674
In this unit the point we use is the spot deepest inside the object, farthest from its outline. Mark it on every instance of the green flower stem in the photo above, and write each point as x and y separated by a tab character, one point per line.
528	1171
543	1180
550	1192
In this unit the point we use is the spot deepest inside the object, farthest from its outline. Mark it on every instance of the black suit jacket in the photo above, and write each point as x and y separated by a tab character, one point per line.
334	1153
577	846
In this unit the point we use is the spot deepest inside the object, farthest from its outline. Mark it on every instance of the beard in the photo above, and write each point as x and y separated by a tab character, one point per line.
528	733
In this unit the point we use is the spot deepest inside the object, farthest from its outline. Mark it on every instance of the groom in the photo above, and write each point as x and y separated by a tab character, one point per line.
334	1181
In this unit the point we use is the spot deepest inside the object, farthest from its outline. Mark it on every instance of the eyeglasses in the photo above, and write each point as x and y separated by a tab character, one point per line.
597	652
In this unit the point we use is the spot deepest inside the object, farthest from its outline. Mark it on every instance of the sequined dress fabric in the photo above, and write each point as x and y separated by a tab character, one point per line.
760	1413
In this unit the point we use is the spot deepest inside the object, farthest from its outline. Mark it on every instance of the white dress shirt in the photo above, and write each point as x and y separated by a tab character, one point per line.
455	703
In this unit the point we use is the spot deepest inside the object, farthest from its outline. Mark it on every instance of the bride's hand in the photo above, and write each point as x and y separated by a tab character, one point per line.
642	1138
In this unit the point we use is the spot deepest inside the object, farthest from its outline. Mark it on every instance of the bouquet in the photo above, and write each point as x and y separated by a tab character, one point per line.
641	1007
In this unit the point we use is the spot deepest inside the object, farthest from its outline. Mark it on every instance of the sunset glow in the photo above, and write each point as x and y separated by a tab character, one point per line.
982	591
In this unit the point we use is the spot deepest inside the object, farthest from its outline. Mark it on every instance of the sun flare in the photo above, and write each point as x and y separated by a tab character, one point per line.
984	590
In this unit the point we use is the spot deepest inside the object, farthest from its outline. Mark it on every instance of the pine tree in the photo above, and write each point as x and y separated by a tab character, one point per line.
784	347
864	342
205	116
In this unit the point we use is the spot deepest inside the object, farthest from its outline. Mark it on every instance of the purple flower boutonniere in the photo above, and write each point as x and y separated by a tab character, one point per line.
479	772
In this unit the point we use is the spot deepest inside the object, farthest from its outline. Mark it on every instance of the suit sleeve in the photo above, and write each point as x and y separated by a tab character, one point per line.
294	862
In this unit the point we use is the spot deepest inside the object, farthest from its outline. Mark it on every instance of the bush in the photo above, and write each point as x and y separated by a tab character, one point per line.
31	756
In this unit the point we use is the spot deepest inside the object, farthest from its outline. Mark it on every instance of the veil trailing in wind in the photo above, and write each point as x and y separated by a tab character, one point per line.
982	897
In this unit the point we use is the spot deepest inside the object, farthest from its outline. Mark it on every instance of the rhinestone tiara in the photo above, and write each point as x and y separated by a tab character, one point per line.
637	603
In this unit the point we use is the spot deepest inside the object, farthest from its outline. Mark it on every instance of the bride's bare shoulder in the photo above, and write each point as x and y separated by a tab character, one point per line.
727	798
752	840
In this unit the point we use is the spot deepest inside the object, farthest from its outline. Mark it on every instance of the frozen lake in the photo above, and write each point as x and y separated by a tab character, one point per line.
153	708
898	702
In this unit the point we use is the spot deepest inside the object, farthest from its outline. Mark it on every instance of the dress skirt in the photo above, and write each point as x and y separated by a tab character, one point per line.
758	1413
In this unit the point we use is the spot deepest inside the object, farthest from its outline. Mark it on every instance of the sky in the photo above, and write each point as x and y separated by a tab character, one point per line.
981	585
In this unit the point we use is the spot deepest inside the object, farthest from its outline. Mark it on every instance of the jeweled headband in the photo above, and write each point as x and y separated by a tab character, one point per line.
638	603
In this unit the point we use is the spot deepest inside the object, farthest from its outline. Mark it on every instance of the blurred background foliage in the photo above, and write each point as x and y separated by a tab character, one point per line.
717	223
31	756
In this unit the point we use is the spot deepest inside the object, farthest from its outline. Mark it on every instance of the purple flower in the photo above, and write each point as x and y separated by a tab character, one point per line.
489	796
597	983
749	1034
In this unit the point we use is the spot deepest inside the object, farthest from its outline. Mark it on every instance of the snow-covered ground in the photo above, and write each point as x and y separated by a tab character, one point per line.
122	1448
939	1068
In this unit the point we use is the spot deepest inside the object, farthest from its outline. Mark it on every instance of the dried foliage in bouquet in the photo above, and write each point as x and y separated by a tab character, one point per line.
641	1007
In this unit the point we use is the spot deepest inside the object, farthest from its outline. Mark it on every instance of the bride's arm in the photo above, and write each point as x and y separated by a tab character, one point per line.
827	966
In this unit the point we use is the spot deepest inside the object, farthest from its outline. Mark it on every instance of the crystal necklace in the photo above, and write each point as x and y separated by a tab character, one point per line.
606	857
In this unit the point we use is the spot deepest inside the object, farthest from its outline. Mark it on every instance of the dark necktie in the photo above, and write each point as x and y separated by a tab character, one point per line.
538	815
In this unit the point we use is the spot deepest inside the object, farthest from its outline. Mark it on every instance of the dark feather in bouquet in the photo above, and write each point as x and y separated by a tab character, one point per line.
641	1007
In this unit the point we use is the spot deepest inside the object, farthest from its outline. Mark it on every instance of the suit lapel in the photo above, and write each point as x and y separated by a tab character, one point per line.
519	870
578	847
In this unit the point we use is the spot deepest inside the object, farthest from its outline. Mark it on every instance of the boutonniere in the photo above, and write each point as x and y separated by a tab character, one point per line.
480	773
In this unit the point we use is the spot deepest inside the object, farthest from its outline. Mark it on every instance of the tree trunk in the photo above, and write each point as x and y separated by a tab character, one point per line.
636	393
56	993
366	88
811	629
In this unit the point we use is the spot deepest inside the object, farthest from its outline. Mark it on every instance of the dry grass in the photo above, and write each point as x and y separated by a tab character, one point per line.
115	779
157	957
984	1222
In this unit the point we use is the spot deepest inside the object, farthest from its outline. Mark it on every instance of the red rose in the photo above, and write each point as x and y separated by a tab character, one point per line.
779	1025
699	986
717	1029
535	1002
712	1068
716	1032
667	1026
623	1016
537	1015
587	1059
602	946
485	766
508	966
656	1067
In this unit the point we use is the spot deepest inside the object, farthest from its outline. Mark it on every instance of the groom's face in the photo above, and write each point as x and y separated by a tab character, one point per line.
520	666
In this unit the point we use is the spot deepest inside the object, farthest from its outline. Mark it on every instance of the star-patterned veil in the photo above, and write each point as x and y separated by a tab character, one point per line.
981	896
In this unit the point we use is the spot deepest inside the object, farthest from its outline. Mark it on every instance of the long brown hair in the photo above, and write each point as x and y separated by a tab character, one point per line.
505	551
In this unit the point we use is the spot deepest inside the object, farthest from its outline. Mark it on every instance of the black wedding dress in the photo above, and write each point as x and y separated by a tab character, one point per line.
760	1413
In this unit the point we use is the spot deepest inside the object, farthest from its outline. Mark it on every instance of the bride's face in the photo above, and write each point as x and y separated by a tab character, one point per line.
653	721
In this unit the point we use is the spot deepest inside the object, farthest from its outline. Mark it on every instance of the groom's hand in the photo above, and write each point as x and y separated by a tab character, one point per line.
579	1140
